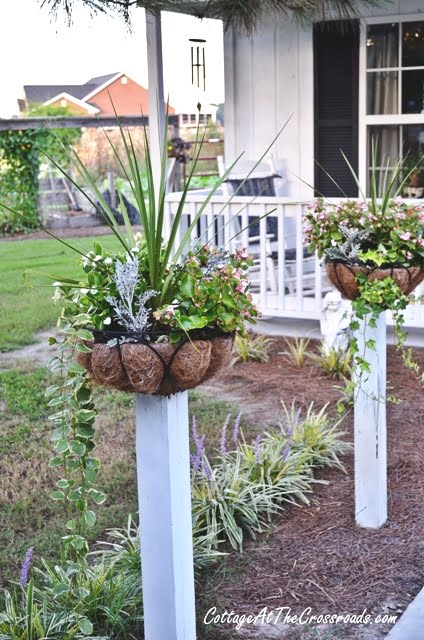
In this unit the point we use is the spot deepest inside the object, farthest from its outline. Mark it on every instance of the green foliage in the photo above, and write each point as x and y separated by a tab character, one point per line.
335	363
297	350
20	160
252	347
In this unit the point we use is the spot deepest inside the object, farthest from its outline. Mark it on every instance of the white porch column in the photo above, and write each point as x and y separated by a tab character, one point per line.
164	494
370	429
156	92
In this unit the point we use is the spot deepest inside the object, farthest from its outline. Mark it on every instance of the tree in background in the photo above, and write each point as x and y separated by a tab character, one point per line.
21	154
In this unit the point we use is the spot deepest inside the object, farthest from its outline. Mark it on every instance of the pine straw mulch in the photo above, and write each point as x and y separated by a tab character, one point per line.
315	556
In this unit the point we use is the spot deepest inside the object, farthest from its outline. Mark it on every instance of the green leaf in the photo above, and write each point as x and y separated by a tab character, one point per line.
83	395
187	285
78	448
86	626
98	496
60	589
55	461
85	431
62	446
90	518
90	475
62	484
51	390
74	367
83	348
57	495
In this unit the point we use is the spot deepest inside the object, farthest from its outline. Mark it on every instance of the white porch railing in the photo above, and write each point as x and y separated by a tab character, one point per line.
286	280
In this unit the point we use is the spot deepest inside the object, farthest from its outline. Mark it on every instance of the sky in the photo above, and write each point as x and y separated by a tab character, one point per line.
37	49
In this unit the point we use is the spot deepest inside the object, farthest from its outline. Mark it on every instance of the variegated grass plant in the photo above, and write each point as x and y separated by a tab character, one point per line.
251	347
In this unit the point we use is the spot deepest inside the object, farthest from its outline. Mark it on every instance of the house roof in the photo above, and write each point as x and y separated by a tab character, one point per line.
90	108
40	93
99	80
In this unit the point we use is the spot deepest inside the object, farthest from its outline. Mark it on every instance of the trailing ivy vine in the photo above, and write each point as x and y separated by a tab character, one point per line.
73	438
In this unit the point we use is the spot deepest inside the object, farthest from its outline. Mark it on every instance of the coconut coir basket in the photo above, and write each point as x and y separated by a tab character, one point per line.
344	276
155	368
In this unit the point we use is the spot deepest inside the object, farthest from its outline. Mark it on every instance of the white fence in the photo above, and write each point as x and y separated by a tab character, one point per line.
286	280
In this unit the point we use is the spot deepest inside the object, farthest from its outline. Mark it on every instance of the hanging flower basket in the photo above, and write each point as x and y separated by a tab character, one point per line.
137	364
344	276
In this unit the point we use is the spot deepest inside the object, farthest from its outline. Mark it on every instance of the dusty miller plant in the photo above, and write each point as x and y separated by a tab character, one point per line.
127	279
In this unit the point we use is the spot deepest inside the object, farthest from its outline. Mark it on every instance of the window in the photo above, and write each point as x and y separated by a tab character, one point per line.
394	105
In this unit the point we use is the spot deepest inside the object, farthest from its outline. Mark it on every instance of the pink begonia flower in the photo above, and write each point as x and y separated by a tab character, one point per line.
422	242
333	242
240	288
398	200
409	255
405	236
361	220
241	254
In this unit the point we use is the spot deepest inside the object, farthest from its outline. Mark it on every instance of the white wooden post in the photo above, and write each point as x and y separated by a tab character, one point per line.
156	92
164	494
370	430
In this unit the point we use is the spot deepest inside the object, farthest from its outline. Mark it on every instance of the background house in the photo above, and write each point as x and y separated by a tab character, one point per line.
93	97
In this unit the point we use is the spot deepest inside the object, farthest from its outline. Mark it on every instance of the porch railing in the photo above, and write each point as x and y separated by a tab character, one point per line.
286	280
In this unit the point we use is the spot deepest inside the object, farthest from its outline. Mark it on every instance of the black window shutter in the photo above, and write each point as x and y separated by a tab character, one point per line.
336	66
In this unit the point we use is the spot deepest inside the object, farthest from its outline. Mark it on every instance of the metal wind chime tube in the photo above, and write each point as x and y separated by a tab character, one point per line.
198	62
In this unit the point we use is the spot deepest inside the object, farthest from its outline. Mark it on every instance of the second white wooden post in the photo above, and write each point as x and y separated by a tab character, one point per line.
370	429
164	493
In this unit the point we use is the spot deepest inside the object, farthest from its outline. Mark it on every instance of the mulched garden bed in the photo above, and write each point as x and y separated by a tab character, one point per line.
316	556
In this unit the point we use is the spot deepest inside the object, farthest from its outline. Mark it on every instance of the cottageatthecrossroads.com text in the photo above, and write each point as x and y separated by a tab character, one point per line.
284	615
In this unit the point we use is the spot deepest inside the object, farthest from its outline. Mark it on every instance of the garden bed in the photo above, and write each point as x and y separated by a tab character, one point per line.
316	557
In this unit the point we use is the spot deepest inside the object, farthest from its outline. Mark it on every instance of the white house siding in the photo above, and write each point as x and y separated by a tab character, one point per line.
269	77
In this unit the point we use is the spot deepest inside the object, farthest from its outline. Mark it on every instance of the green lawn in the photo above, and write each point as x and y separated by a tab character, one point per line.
25	295
28	517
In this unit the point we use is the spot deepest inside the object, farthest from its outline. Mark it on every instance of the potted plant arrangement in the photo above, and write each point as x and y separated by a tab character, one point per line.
373	250
157	316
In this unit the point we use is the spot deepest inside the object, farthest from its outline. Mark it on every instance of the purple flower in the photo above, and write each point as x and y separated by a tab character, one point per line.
286	450
23	580
223	441
207	470
236	430
293	422
257	448
199	441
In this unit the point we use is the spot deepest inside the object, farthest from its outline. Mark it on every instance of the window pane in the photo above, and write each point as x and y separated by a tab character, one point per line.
413	151
413	91
413	44
385	140
382	92
382	45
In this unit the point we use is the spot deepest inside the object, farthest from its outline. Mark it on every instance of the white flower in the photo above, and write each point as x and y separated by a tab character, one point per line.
107	321
108	261
84	290
94	291
57	284
97	258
